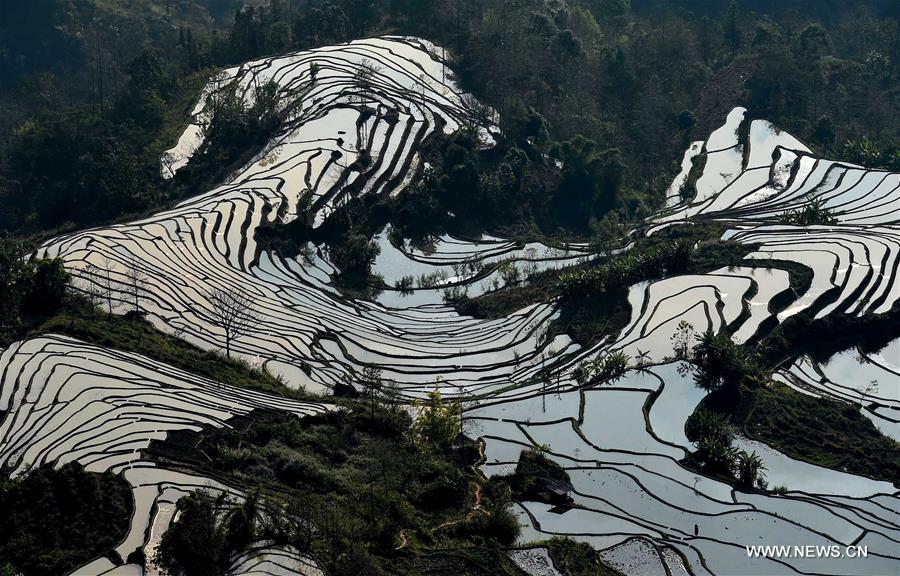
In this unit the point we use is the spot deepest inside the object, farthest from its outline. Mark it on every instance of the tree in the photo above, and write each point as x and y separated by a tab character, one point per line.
592	179
135	282
364	81
437	423
682	340
713	436
233	312
194	545
30	288
371	383
603	370
686	119
733	28
106	284
607	232
814	42
56	520
354	255
92	287
608	10
46	287
720	362
824	131
749	471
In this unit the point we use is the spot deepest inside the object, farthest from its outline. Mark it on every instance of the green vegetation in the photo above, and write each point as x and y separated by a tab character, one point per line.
526	185
538	479
362	489
817	430
828	433
601	68
619	272
812	214
603	369
720	364
593	100
439	422
590	84
717	456
210	532
593	296
606	69
134	334
32	289
84	130
55	521
577	558
834	333
354	256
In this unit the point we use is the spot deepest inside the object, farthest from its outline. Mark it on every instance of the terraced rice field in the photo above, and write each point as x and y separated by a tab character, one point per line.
67	400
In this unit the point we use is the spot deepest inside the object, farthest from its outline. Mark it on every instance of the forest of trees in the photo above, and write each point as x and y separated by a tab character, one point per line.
618	86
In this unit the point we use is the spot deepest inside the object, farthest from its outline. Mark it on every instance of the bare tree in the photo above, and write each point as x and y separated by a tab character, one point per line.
92	287
870	389
135	282
364	81
390	390
371	383
168	165
233	313
106	284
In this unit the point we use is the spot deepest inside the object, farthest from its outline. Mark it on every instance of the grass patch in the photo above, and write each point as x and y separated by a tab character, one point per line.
604	313
820	431
133	334
380	502
577	558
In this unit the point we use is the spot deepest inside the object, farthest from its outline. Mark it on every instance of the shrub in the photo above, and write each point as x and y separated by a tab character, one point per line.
437	424
720	362
713	436
605	370
503	526
812	214
749	471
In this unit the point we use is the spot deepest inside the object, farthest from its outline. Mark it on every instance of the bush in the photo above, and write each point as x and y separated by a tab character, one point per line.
719	362
713	436
814	213
749	471
443	492
503	526
437	424
604	370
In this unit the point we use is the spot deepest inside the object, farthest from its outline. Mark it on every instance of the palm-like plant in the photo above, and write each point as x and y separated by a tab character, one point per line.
749	470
